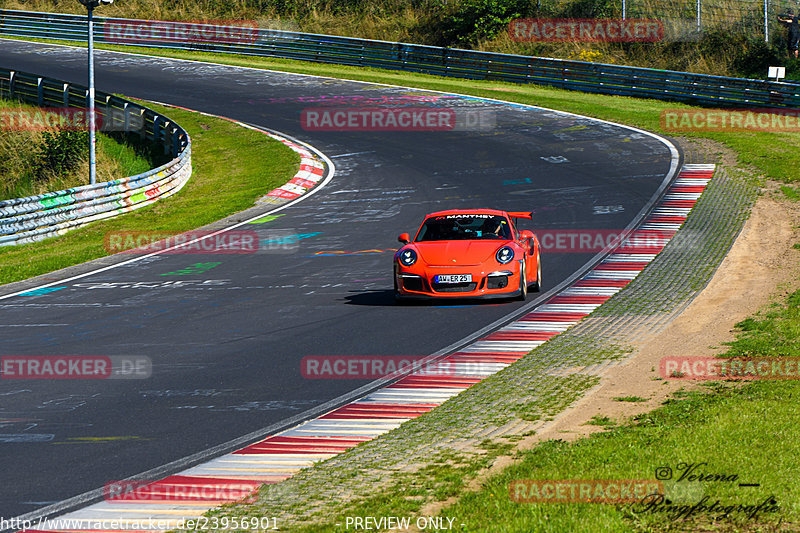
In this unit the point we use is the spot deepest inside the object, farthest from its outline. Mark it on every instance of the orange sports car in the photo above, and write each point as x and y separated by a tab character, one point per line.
468	253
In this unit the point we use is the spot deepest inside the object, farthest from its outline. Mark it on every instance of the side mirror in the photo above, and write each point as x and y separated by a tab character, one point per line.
526	234
404	238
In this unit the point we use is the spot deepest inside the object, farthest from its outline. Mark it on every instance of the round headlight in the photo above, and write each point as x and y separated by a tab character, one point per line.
504	255
408	257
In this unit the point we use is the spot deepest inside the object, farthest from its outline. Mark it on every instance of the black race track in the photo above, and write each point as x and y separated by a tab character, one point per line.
227	345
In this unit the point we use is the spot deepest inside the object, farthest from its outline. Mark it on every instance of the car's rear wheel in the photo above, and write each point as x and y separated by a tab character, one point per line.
523	284
537	286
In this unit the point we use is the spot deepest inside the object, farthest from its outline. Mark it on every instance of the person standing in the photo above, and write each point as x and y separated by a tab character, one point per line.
794	32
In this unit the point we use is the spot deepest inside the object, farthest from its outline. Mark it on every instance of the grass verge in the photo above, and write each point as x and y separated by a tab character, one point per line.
746	433
233	166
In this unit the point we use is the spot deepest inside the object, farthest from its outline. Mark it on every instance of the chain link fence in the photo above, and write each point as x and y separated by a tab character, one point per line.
687	19
683	20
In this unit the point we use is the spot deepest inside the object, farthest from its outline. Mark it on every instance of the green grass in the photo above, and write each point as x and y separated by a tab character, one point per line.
443	477
232	167
721	430
133	156
791	193
20	151
570	388
747	431
632	399
600	420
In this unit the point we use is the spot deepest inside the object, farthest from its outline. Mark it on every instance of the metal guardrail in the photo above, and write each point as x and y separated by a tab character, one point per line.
575	75
24	220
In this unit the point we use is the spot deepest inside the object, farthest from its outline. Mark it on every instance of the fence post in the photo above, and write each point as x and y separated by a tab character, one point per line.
624	9
766	21
39	92
699	26
11	83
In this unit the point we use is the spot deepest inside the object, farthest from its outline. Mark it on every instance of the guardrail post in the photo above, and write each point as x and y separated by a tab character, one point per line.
12	78
140	123
156	129
166	141
39	91
108	118
107	113
65	95
126	118
176	142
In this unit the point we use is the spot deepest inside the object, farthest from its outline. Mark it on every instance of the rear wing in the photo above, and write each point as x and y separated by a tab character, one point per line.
521	214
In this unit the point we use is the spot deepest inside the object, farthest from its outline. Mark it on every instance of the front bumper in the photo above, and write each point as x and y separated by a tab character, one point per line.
500	282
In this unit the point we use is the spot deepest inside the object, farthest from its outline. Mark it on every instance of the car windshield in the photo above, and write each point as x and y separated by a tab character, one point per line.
464	227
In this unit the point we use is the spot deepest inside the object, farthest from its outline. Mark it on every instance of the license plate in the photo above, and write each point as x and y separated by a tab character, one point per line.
453	278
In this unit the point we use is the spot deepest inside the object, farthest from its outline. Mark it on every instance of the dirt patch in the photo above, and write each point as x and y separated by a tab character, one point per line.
761	267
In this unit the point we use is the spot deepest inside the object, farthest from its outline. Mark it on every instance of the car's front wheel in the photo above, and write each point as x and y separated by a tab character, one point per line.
523	283
537	285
